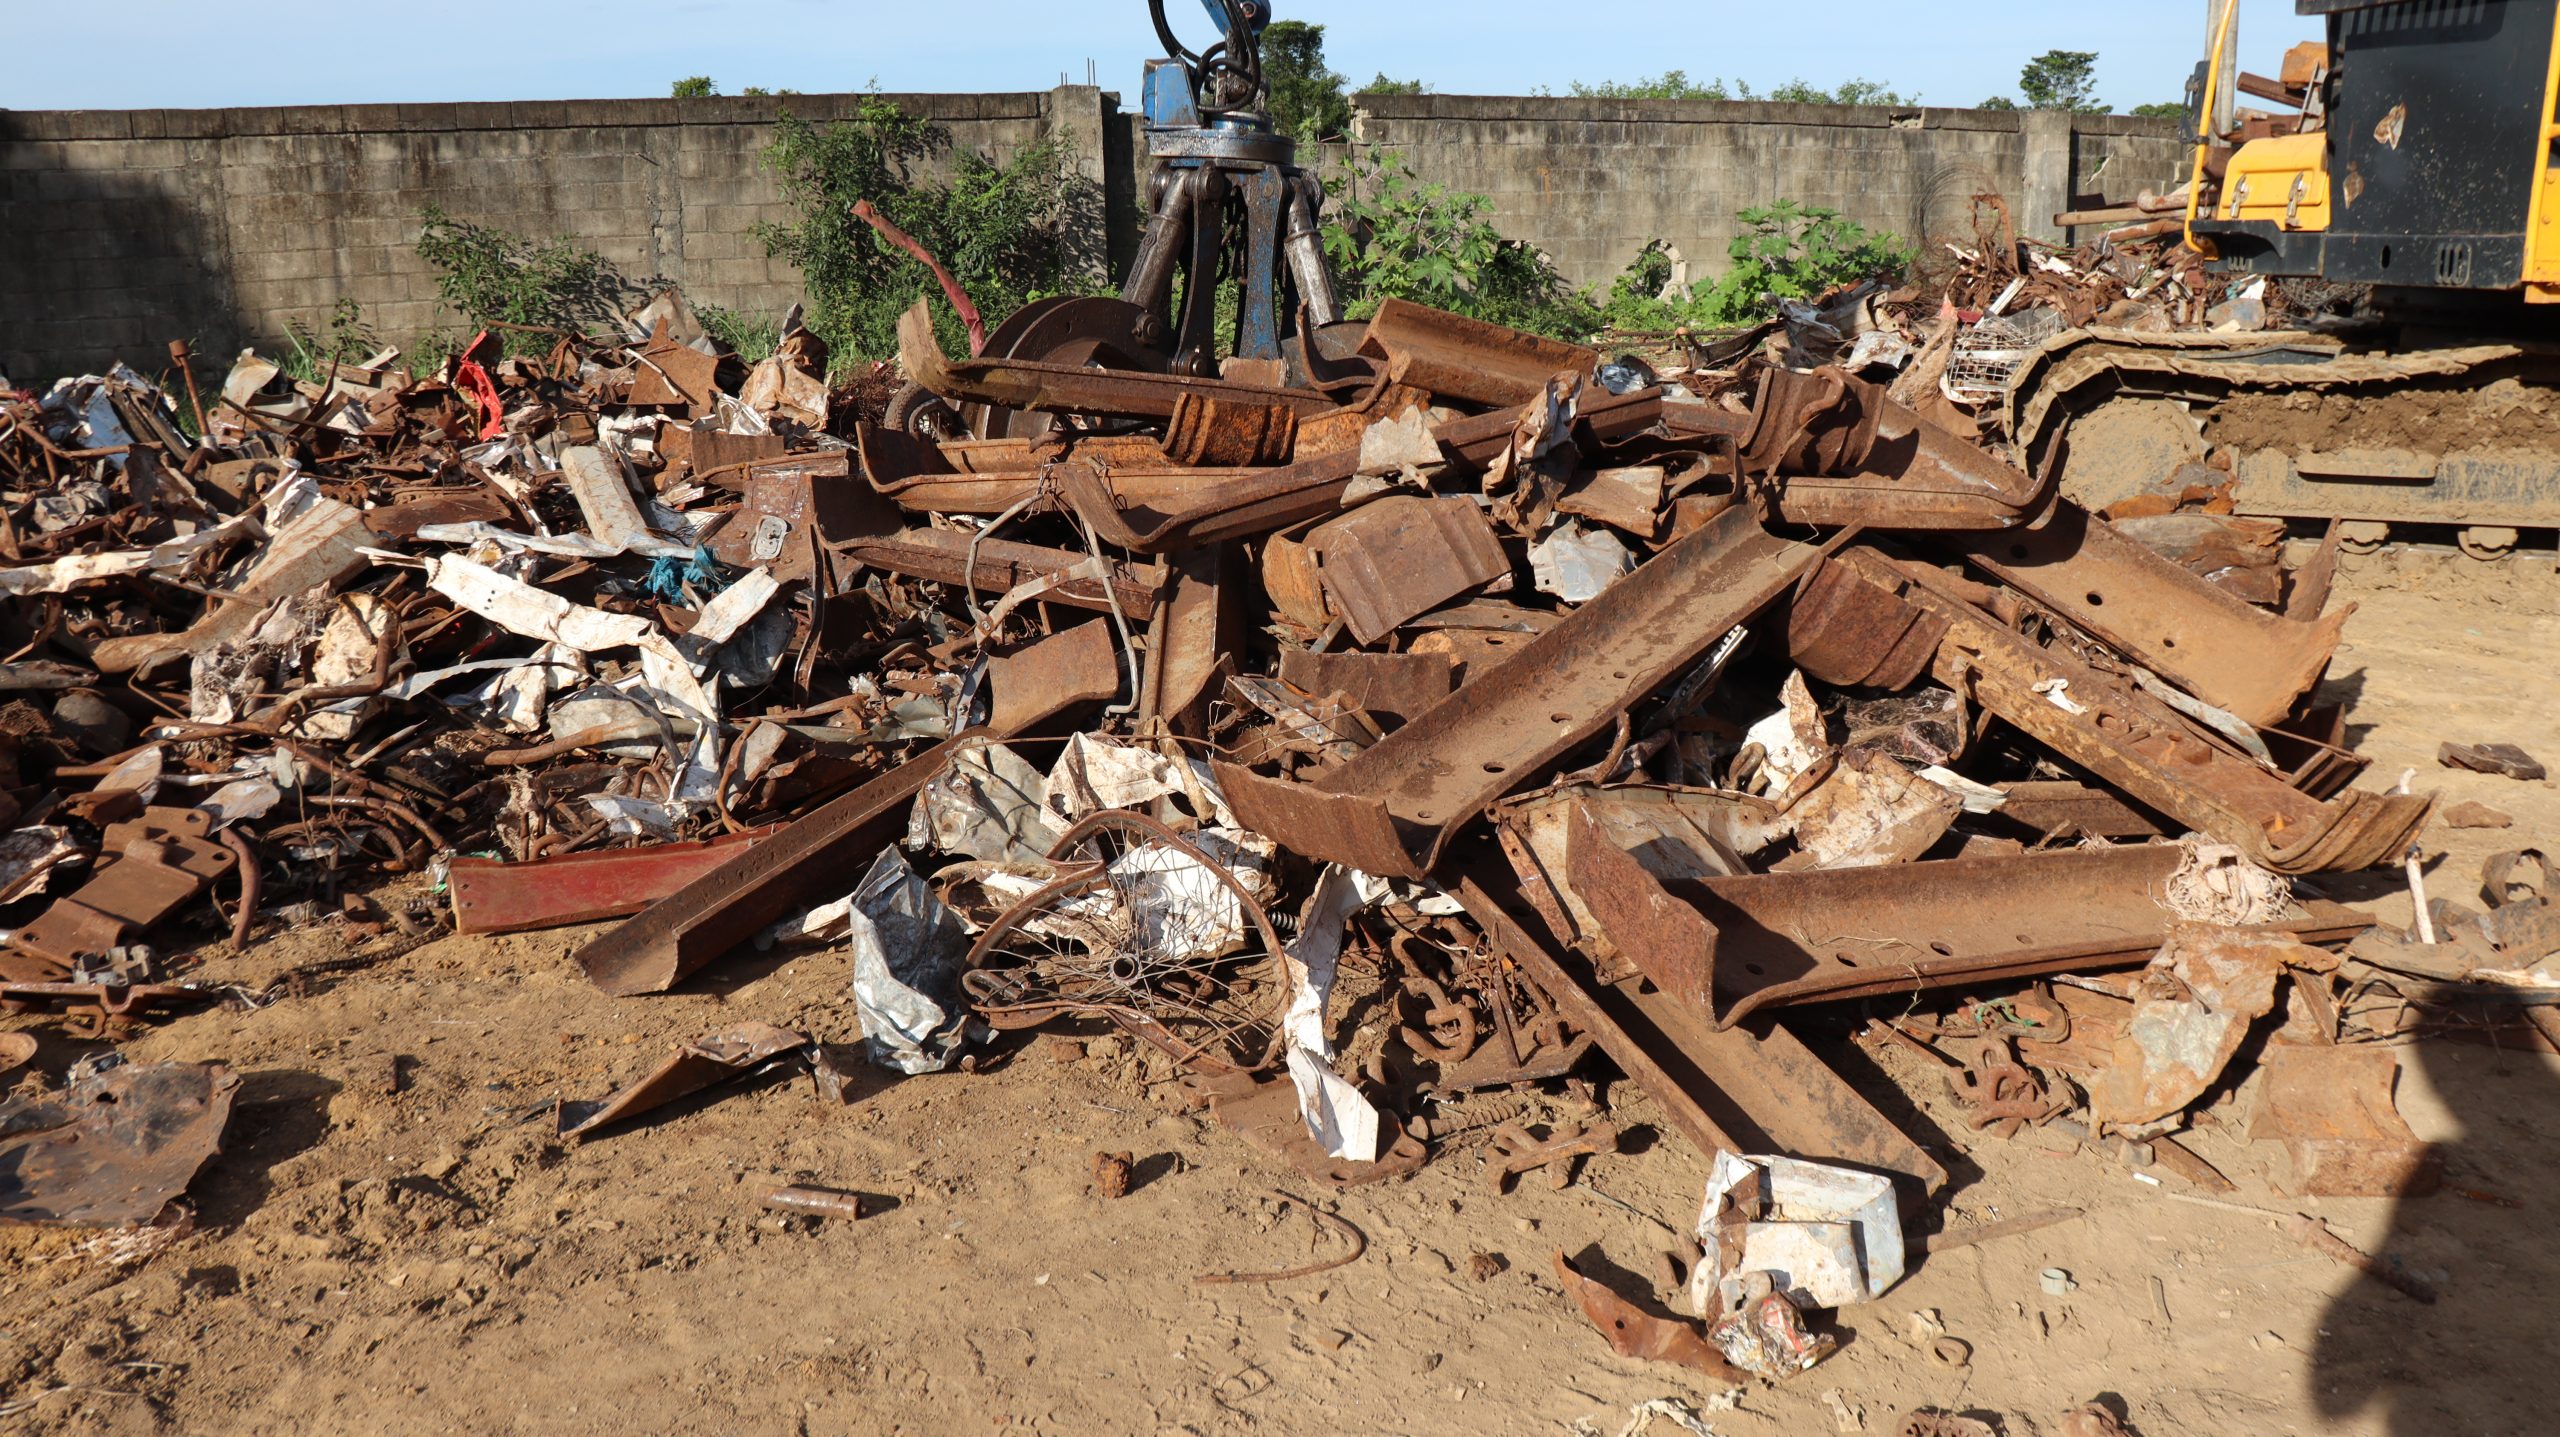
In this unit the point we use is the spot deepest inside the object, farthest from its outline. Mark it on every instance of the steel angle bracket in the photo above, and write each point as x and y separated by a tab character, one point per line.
1733	1090
2142	746
2233	655
1393	809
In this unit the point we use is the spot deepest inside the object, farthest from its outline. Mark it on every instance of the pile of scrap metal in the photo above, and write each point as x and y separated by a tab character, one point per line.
1445	721
270	642
1454	721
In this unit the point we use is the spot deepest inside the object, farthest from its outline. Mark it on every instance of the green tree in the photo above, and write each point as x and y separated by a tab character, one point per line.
694	87
1384	86
1306	101
1998	102
2169	110
2062	80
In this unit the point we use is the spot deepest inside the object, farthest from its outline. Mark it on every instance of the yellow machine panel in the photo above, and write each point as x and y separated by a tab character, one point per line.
2283	181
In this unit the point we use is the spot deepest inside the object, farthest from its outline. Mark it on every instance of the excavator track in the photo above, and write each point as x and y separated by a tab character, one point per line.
2308	427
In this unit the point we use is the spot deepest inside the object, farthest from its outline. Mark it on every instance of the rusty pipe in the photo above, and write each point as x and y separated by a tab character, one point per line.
250	884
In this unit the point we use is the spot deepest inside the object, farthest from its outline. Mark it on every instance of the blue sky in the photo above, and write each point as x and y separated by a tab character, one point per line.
184	53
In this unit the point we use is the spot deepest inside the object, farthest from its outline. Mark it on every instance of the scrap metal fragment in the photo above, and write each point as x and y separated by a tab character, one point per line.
1384	686
149	867
315	549
1001	566
1074	389
1467	361
677	936
2193	1007
1835	451
710	1059
2074	810
1388	561
492	896
2502	759
1266	1115
114	1148
1633	1332
1755	941
1872	812
1219	432
1514	1150
1843	631
1242	506
1190	641
811	1202
2331	1108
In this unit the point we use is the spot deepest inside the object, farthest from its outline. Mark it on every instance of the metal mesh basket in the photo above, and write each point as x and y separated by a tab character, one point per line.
1987	356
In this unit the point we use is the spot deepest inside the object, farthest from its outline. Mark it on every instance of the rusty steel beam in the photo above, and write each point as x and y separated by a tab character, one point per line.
1731	1091
1073	389
1001	566
1731	947
1385	686
2233	655
1392	809
2076	810
688	929
824	852
1246	504
990	476
1191	642
2142	746
1467	360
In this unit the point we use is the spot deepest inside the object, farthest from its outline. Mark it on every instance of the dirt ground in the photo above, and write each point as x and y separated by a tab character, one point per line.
396	1242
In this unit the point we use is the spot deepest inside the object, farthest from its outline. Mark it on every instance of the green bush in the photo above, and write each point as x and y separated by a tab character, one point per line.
1392	235
495	278
1008	232
316	350
1786	251
751	337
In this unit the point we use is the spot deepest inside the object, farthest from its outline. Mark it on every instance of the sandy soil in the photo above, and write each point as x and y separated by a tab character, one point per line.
395	1242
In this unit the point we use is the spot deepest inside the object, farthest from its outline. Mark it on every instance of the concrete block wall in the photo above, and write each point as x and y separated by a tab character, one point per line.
121	230
1591	181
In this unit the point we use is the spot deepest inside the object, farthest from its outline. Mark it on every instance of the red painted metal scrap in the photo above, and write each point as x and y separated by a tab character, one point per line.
494	897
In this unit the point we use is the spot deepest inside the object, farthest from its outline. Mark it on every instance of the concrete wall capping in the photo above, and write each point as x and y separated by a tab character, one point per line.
222	226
